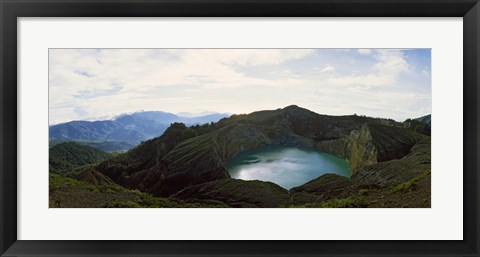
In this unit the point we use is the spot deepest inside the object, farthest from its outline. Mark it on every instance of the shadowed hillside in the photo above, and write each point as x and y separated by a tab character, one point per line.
188	156
70	193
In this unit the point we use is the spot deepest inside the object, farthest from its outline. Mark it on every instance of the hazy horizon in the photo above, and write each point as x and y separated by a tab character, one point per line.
95	84
205	113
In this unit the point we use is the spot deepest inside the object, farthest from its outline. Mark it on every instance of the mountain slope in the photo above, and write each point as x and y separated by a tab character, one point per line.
107	146
65	157
70	193
427	119
188	156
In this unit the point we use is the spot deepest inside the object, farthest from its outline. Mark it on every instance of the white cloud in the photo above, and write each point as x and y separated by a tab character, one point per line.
390	64
251	57
102	83
86	77
387	104
327	68
364	51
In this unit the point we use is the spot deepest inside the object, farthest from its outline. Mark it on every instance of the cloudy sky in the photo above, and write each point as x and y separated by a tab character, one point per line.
89	84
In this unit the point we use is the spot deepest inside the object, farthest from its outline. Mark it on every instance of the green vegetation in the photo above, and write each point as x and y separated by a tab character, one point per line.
126	204
348	202
344	203
107	146
427	119
71	193
363	191
57	182
420	125
66	157
411	183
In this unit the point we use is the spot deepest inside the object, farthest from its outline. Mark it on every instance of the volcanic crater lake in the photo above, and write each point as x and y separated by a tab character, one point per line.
286	166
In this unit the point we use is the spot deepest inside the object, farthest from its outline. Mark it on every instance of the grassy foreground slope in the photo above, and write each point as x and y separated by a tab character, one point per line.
71	193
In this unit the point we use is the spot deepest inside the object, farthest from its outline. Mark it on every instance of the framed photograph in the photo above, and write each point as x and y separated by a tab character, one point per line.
317	128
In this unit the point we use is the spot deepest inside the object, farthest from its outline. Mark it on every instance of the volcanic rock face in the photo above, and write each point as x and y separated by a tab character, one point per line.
358	147
361	148
187	156
372	143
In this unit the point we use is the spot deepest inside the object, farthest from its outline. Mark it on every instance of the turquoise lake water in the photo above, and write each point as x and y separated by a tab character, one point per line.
287	167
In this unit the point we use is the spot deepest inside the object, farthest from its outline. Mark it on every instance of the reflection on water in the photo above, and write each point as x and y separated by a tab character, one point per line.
286	166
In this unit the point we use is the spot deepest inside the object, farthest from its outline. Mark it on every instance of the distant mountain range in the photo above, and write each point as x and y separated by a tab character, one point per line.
125	131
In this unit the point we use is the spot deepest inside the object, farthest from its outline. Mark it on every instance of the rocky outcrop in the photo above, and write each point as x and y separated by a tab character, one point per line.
361	148
393	172
372	143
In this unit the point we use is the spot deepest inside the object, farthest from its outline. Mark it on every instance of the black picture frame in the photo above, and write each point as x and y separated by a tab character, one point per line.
10	10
